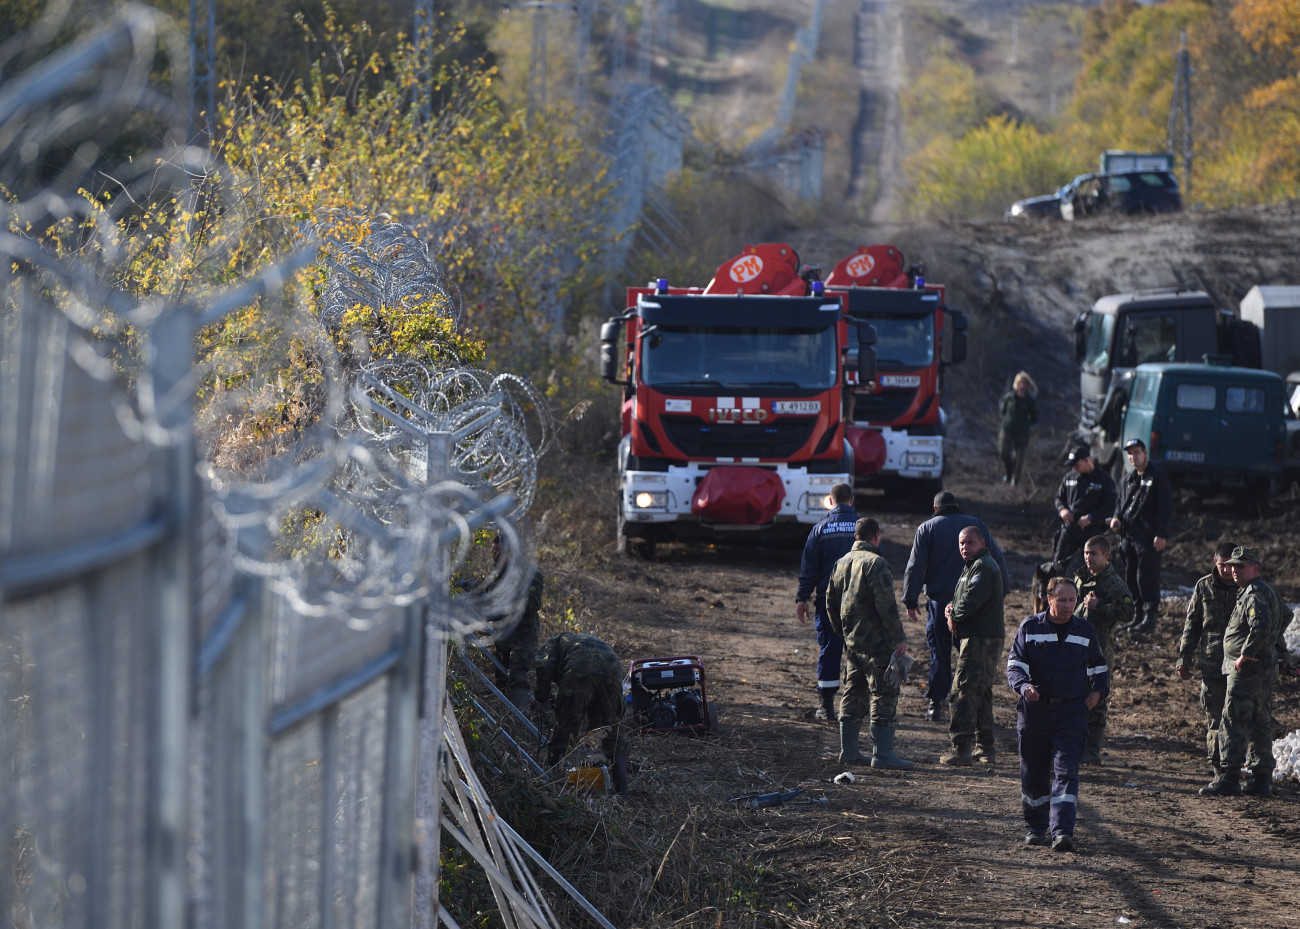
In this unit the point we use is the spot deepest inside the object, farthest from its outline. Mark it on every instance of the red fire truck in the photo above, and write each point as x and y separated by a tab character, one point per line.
732	419
894	422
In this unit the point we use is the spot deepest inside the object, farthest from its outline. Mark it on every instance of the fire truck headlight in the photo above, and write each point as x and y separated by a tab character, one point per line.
651	499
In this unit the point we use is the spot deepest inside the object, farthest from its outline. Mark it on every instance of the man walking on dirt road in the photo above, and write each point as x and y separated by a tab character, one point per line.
1208	612
828	542
1251	646
861	607
1104	601
1142	517
975	620
1057	668
936	564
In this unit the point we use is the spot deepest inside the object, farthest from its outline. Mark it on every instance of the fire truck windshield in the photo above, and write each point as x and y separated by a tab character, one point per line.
717	359
906	342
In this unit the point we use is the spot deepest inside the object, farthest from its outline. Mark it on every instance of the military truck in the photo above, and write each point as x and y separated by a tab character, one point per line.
1123	331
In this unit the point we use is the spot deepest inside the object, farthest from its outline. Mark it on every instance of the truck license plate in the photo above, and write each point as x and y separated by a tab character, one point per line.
796	406
1175	454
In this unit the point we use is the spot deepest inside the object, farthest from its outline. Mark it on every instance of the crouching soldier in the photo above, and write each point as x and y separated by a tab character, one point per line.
588	678
861	607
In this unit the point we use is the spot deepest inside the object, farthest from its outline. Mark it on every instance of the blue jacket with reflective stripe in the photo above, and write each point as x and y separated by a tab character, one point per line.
1066	668
828	542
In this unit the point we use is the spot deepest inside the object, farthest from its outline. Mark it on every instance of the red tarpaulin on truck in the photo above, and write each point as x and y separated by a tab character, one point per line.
739	496
868	451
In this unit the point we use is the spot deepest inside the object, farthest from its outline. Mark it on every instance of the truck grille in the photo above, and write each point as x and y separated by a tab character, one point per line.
700	439
882	408
1090	411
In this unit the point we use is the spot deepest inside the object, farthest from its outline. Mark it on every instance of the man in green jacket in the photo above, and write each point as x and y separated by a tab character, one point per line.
1208	611
976	622
862	610
1250	660
588	677
1106	602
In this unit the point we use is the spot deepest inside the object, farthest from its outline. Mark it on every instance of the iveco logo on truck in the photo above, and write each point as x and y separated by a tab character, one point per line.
721	415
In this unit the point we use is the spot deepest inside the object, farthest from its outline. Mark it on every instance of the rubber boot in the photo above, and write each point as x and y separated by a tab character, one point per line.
620	772
882	749
1096	739
850	731
827	710
1227	784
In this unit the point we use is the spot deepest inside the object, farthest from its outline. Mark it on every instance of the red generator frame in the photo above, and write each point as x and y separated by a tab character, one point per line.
671	695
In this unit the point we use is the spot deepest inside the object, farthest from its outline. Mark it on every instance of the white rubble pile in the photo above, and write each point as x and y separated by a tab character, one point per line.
1292	634
1286	750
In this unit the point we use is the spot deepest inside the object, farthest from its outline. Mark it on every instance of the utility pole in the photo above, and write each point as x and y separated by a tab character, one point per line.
203	68
1179	139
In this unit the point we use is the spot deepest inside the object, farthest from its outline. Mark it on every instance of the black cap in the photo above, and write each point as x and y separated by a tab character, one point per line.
1135	443
1078	453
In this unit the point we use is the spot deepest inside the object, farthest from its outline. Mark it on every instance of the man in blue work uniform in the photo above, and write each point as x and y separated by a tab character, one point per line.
936	564
1057	667
828	542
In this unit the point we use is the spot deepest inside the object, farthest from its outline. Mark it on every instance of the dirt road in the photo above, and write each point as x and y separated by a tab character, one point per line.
939	846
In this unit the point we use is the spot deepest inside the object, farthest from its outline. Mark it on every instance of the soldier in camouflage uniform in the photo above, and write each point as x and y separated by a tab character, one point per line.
862	610
1213	599
1250	660
515	644
976	622
589	681
1106	602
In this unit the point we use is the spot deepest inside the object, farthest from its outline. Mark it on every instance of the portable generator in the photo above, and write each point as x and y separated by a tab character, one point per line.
671	695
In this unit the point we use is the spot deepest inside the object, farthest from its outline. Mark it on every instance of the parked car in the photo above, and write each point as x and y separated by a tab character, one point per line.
1048	206
1122	192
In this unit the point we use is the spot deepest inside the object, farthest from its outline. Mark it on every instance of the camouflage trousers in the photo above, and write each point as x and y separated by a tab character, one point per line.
598	699
1214	688
516	652
971	698
1246	728
865	688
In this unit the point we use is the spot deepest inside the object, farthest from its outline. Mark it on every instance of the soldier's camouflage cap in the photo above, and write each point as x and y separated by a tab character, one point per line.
1244	554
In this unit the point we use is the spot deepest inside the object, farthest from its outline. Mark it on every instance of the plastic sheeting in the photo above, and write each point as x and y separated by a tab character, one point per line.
739	496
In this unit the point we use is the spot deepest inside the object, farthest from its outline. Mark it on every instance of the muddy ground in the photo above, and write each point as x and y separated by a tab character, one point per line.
938	846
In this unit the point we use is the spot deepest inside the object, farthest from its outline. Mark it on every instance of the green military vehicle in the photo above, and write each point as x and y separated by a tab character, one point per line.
1212	425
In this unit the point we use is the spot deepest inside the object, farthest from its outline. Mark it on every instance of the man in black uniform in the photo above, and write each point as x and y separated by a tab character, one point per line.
1084	501
1146	507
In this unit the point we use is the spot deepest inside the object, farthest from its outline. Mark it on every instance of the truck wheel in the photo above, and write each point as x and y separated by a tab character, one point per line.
630	547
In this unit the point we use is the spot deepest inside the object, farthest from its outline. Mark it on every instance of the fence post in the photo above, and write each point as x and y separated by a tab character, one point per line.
428	803
171	364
